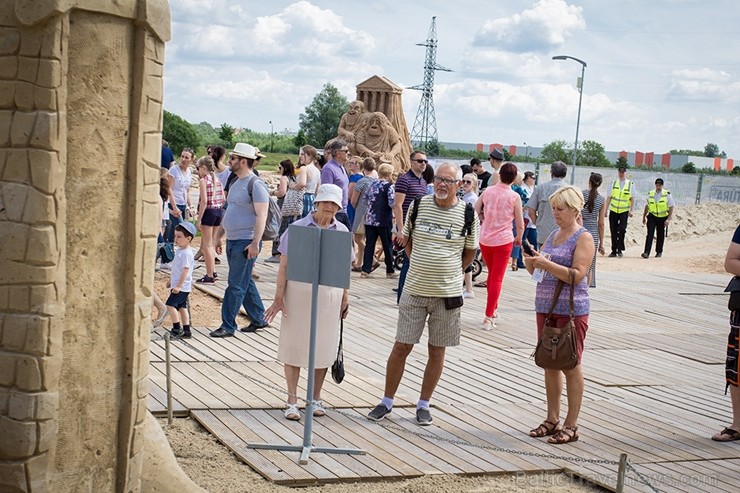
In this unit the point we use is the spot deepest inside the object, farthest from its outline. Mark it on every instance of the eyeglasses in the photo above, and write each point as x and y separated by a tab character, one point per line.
468	182
421	161
233	156
446	181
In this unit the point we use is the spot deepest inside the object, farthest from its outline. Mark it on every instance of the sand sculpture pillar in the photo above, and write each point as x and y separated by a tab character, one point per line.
80	121
380	94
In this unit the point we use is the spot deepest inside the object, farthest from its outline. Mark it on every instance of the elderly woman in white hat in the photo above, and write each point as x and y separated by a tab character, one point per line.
294	299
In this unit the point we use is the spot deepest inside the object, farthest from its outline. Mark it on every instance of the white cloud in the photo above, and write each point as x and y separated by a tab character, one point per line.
301	32
703	85
548	24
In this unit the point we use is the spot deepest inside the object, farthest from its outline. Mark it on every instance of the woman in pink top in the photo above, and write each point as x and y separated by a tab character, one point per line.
497	207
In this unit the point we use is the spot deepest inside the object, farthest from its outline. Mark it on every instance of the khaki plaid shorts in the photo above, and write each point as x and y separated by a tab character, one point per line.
416	311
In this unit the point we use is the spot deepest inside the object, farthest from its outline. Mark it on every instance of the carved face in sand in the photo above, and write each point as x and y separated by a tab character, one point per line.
356	108
376	125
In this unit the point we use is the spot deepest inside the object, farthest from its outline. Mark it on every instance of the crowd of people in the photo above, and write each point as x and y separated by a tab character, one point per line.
439	219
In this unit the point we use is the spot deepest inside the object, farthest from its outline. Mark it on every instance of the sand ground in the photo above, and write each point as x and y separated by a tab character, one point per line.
697	242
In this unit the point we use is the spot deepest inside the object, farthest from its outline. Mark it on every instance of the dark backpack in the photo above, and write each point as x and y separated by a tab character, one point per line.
274	216
469	216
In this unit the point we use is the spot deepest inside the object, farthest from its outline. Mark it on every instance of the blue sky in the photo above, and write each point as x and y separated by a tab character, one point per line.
662	74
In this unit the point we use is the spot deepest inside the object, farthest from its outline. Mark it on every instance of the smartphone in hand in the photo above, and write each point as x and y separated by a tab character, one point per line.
527	248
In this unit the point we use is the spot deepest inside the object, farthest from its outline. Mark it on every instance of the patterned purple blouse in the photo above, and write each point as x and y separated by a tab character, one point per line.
563	255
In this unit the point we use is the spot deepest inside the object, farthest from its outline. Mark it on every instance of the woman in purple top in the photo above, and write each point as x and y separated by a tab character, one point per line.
568	249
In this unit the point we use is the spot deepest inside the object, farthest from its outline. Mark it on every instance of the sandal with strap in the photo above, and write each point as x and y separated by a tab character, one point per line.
566	435
547	428
292	413
726	435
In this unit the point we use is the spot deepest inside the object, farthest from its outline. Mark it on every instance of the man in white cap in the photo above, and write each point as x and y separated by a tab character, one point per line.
244	222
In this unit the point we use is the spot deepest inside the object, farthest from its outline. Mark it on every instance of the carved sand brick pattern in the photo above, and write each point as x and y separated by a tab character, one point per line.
80	120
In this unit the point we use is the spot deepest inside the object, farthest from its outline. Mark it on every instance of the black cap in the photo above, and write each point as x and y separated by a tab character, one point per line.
497	155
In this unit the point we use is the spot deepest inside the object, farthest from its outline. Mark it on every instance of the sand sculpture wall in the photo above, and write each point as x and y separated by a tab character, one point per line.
80	121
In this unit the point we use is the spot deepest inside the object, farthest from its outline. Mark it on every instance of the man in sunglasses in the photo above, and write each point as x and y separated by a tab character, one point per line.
408	186
334	172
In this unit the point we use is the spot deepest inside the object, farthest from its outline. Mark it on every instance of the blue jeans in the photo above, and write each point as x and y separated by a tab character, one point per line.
372	233
169	234
241	291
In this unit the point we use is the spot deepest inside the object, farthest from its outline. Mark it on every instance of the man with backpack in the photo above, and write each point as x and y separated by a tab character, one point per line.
244	224
441	238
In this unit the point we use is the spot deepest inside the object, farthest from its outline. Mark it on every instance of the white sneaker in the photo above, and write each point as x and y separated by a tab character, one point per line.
167	266
468	295
488	324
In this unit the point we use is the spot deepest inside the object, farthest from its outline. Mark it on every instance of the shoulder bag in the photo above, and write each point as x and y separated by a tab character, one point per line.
292	202
556	349
337	369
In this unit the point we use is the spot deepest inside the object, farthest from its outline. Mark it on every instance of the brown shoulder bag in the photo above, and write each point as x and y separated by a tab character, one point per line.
556	349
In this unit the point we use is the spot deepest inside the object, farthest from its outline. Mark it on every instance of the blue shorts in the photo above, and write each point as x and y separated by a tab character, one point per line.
212	217
179	300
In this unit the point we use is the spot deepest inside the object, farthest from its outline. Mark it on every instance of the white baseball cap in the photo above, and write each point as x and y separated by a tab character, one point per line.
245	150
328	192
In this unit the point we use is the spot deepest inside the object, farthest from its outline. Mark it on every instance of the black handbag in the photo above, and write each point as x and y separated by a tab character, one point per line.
337	369
734	289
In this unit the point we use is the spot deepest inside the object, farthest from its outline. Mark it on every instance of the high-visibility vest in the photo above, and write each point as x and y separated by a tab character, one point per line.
620	198
659	208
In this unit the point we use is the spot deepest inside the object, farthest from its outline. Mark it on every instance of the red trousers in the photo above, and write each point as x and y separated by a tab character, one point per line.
497	260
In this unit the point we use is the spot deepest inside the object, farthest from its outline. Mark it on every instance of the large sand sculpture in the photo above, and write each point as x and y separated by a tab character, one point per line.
80	121
374	124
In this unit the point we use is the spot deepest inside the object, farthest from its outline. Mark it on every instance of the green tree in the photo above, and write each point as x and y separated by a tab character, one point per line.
591	153
735	170
711	150
686	152
226	135
688	168
433	148
622	161
300	139
178	132
555	151
320	121
207	135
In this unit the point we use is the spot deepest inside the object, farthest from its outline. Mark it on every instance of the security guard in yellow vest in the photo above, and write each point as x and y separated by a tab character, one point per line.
657	214
619	205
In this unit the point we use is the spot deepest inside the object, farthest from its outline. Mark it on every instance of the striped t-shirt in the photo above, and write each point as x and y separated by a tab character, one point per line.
435	268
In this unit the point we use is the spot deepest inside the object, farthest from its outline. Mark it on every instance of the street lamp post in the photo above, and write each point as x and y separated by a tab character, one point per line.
578	120
272	137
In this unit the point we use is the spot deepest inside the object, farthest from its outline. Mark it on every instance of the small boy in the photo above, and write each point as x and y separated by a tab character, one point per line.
181	280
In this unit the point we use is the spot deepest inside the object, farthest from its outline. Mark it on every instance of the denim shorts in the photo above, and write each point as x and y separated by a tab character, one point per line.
212	217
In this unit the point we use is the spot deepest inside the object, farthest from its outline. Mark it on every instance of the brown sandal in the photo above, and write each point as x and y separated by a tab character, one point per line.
566	435
727	435
547	428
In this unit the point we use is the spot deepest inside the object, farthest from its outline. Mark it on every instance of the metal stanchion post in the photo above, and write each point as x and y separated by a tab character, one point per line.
620	472
168	372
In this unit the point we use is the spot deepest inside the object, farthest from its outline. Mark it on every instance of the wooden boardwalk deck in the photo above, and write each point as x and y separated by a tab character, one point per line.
654	365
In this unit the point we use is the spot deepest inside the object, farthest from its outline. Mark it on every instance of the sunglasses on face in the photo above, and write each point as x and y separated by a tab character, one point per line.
421	161
468	182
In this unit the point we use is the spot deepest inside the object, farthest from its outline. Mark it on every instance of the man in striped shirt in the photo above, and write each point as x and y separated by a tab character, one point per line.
439	245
